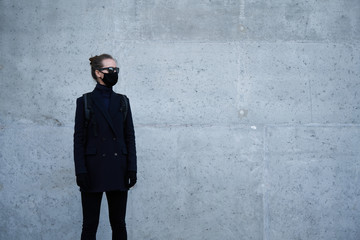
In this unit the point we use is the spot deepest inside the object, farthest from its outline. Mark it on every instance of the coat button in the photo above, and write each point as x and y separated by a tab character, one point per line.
115	154
114	139
104	155
103	139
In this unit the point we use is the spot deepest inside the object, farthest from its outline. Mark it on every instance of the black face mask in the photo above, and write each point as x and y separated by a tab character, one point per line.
110	79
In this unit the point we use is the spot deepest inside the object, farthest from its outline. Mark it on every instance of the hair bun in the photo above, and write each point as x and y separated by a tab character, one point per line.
92	60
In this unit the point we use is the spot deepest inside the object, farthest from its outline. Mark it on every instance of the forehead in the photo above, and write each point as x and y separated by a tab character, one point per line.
108	63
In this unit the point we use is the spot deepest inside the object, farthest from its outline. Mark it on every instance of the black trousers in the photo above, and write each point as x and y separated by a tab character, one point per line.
91	203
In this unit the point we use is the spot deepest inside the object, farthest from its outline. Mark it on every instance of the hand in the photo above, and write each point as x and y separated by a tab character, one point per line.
130	179
82	180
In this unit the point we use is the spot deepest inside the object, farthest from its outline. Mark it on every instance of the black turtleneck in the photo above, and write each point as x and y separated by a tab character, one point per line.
105	93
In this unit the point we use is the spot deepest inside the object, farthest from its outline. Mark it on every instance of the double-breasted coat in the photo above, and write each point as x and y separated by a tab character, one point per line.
107	150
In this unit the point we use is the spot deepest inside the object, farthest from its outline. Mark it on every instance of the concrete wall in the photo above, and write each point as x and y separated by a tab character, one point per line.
246	115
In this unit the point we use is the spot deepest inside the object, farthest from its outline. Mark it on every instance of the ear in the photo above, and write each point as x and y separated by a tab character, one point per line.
98	74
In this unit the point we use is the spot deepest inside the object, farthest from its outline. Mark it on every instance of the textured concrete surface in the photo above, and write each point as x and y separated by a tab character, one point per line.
312	188
246	115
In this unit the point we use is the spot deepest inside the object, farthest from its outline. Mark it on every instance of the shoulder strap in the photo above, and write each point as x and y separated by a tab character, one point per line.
124	105
87	109
88	112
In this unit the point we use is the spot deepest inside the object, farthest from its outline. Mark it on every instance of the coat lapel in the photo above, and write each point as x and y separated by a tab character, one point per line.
114	104
98	102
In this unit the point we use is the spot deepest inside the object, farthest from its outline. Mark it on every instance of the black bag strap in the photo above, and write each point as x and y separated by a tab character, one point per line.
124	106
88	113
87	109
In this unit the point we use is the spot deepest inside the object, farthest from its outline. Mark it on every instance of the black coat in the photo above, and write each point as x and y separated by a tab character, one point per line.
108	151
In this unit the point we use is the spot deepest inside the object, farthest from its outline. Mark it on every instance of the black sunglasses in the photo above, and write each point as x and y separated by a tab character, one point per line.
110	69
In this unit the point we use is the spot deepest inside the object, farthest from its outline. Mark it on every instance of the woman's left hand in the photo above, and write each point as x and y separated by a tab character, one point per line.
130	179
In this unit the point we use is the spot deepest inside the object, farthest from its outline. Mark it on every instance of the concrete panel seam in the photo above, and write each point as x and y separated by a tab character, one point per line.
242	10
347	42
313	125
166	125
264	187
311	103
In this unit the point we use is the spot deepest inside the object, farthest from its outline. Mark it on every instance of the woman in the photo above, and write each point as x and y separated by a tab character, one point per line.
104	149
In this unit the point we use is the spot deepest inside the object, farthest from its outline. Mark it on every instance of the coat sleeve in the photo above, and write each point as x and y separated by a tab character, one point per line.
129	134
79	143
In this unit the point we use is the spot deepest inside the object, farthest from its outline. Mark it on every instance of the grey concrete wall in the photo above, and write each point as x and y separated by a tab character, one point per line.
246	115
